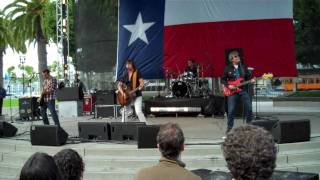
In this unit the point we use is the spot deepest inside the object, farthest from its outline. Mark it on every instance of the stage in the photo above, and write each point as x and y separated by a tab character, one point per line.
122	159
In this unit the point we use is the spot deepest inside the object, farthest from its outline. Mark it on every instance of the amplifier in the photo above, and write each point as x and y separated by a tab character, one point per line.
29	107
106	97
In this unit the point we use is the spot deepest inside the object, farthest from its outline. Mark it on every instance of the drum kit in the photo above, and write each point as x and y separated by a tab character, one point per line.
187	84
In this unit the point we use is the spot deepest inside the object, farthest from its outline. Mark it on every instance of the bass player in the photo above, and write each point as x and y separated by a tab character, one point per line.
132	79
233	72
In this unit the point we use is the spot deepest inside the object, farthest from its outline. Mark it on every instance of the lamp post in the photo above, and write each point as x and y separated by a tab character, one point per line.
22	61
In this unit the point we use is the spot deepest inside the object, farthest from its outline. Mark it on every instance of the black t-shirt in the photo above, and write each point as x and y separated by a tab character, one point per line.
192	69
129	82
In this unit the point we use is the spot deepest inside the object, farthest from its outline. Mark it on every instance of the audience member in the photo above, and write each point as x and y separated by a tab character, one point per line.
170	141
250	153
70	164
40	166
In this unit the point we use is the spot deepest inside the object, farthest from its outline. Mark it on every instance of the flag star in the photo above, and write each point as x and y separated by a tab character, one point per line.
138	30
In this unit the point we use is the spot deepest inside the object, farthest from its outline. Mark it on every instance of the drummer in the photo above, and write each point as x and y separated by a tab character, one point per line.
192	68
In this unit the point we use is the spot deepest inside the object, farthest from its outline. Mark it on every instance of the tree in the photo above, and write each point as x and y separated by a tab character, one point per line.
12	74
29	74
31	21
56	69
307	30
7	40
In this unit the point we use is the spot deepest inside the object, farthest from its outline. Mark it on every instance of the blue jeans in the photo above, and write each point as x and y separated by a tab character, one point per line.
232	102
52	108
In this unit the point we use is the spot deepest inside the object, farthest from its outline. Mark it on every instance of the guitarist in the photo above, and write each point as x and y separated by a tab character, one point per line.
232	72
132	79
48	98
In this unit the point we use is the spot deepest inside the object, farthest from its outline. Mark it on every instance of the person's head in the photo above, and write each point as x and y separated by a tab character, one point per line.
70	164
234	57
170	140
46	73
76	76
130	65
250	153
40	166
190	63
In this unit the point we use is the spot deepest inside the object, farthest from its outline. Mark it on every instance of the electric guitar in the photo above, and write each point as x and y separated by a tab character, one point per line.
127	96
239	82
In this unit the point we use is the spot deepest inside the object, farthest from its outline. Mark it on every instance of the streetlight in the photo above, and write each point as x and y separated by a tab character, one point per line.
22	61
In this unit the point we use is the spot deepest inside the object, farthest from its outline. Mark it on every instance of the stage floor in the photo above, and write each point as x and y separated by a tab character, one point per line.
196	129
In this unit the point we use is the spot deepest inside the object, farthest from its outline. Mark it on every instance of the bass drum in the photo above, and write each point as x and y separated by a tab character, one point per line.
180	89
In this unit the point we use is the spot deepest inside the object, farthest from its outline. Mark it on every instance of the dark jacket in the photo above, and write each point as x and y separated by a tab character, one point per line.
166	169
229	74
3	93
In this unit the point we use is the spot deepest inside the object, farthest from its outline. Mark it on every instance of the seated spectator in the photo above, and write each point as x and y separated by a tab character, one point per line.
70	164
170	141
250	153
40	166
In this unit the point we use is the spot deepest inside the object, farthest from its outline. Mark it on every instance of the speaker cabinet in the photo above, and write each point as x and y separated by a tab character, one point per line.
94	130
68	94
266	124
29	107
48	135
147	136
106	97
7	129
207	174
290	131
105	111
125	131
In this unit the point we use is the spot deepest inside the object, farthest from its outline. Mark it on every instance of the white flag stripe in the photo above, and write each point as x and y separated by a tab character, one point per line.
199	11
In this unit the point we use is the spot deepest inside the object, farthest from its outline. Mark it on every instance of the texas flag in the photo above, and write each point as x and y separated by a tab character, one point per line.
161	35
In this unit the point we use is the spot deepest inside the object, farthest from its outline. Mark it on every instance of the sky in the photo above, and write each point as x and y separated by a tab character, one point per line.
12	58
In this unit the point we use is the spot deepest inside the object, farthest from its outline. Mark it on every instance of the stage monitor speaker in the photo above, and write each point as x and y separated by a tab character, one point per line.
125	131
48	135
94	130
106	97
7	129
147	136
266	124
290	131
288	175
206	174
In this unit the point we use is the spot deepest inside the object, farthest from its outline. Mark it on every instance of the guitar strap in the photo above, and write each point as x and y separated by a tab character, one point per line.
134	80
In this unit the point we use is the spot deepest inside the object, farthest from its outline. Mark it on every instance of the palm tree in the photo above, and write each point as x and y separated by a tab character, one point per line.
30	19
6	40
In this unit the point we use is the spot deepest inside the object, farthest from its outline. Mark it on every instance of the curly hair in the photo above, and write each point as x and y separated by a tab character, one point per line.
250	153
170	139
70	164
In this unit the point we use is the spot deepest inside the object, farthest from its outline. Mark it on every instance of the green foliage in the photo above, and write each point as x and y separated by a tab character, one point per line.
28	72
307	30
30	19
56	69
12	74
14	102
7	37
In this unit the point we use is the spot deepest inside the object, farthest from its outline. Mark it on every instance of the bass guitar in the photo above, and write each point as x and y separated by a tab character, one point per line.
239	83
127	96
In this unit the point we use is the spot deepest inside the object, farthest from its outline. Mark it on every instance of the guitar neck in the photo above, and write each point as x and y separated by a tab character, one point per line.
245	82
